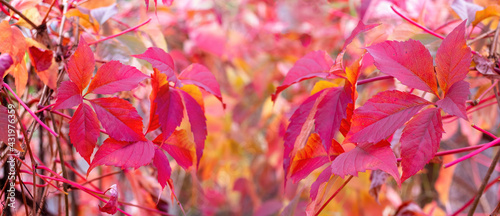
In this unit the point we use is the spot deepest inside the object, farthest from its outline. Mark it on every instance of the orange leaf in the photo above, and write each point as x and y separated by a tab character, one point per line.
490	11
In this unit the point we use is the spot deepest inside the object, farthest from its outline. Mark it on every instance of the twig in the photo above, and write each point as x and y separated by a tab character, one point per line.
19	13
48	11
484	147
121	33
365	81
333	195
63	168
28	109
484	183
472	199
416	24
480	37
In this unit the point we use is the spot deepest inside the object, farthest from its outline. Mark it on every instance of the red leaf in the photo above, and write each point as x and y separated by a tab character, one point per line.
367	156
179	146
170	110
41	59
5	63
383	114
198	123
114	77
84	131
331	111
301	124
162	61
314	64
453	58
409	61
111	207
119	118
420	141
454	100
81	65
123	154
311	157
200	76
160	161
68	96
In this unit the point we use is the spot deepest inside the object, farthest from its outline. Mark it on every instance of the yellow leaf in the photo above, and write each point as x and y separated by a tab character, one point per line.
33	15
85	19
195	92
323	84
490	11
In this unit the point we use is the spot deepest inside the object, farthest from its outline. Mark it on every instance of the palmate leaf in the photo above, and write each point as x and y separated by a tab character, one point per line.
170	110
200	76
198	123
420	141
454	100
68	96
383	114
160	161
84	131
162	61
314	64
409	62
367	156
179	146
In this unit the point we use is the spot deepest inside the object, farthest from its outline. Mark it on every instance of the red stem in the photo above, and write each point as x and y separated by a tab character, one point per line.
484	147
472	199
365	81
416	24
121	33
459	150
333	195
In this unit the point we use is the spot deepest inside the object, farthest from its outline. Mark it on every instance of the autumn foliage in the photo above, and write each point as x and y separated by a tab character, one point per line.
256	107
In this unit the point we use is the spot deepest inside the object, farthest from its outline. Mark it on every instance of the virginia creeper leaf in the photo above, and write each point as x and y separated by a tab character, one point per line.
111	207
179	146
119	118
198	123
157	81
314	64
169	110
299	129
331	111
312	156
84	131
453	58
383	114
5	63
489	11
200	76
160	161
454	100
321	190
68	96
409	61
162	61
81	65
123	154
361	27
114	77
420	141
367	156
41	59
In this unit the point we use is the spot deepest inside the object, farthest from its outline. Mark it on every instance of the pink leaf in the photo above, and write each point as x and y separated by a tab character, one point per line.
453	58
5	63
314	64
367	156
160	60
167	2
160	161
198	123
81	65
420	141
361	27
68	96
111	207
114	77
383	114
84	131
123	154
299	129
454	100
323	177
409	61
119	118
200	76
170	110
331	111
179	146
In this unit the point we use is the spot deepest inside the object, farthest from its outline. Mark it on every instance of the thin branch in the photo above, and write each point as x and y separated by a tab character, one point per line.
484	183
484	147
416	24
365	81
333	195
19	13
48	11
